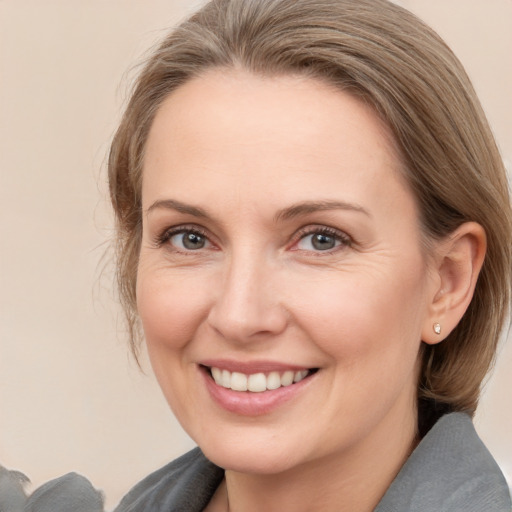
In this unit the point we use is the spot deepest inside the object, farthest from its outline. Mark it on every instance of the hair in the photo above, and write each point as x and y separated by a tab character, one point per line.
385	55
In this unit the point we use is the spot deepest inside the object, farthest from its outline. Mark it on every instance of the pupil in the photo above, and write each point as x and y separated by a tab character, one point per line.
193	241
323	242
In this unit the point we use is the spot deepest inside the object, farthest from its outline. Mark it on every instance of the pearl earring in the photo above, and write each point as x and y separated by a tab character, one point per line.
437	328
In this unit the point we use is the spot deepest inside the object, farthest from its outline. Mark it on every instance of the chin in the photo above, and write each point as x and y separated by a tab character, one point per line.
264	456
251	463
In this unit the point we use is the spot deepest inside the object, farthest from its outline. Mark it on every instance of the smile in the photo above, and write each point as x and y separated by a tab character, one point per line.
254	388
257	382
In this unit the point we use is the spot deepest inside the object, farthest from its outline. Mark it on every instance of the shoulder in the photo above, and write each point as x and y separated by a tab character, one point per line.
68	492
450	470
187	483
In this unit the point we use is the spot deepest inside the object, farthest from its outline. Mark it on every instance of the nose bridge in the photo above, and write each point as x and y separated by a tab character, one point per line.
247	306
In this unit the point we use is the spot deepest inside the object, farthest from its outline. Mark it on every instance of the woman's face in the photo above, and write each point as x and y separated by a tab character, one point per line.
280	243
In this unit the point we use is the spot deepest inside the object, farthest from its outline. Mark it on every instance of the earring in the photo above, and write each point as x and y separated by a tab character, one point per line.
437	328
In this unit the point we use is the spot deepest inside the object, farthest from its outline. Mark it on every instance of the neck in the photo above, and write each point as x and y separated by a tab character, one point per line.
353	480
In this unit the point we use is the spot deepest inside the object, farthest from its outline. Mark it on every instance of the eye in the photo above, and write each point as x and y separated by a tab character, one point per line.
185	239
318	242
322	240
189	240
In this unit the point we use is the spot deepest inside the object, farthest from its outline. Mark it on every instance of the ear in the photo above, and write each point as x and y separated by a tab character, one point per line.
456	263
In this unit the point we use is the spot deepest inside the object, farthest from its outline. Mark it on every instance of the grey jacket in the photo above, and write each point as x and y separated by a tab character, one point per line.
449	471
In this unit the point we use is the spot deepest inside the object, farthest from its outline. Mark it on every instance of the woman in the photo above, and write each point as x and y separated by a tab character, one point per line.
314	232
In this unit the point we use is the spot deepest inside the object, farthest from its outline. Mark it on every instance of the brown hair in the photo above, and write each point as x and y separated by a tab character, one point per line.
387	56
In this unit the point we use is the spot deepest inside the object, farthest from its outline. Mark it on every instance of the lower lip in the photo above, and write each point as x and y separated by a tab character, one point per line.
247	403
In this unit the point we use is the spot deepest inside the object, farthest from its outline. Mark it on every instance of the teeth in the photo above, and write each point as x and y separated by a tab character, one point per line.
256	382
288	377
217	375
238	381
273	381
225	379
299	375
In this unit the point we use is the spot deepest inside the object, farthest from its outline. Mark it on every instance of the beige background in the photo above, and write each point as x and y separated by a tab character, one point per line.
70	398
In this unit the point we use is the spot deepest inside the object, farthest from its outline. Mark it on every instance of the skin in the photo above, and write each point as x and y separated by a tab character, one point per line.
244	149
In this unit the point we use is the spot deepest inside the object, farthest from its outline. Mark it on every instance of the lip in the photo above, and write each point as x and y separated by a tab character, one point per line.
250	367
246	403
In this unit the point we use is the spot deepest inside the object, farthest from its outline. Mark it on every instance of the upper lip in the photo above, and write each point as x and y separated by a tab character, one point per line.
251	367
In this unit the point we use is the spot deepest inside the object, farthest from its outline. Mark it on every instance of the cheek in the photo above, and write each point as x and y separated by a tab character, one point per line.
371	333
170	309
364	318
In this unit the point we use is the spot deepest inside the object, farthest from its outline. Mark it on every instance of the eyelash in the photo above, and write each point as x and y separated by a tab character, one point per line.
166	235
339	236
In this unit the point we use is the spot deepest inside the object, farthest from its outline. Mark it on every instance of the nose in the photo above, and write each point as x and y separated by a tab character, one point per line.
247	306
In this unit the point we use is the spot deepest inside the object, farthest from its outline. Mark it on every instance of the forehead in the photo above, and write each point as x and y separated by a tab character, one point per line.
288	135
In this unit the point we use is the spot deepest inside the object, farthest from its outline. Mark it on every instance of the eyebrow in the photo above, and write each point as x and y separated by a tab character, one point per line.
295	210
307	207
172	204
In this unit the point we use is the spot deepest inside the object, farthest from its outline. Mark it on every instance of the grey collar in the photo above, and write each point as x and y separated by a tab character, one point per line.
449	471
